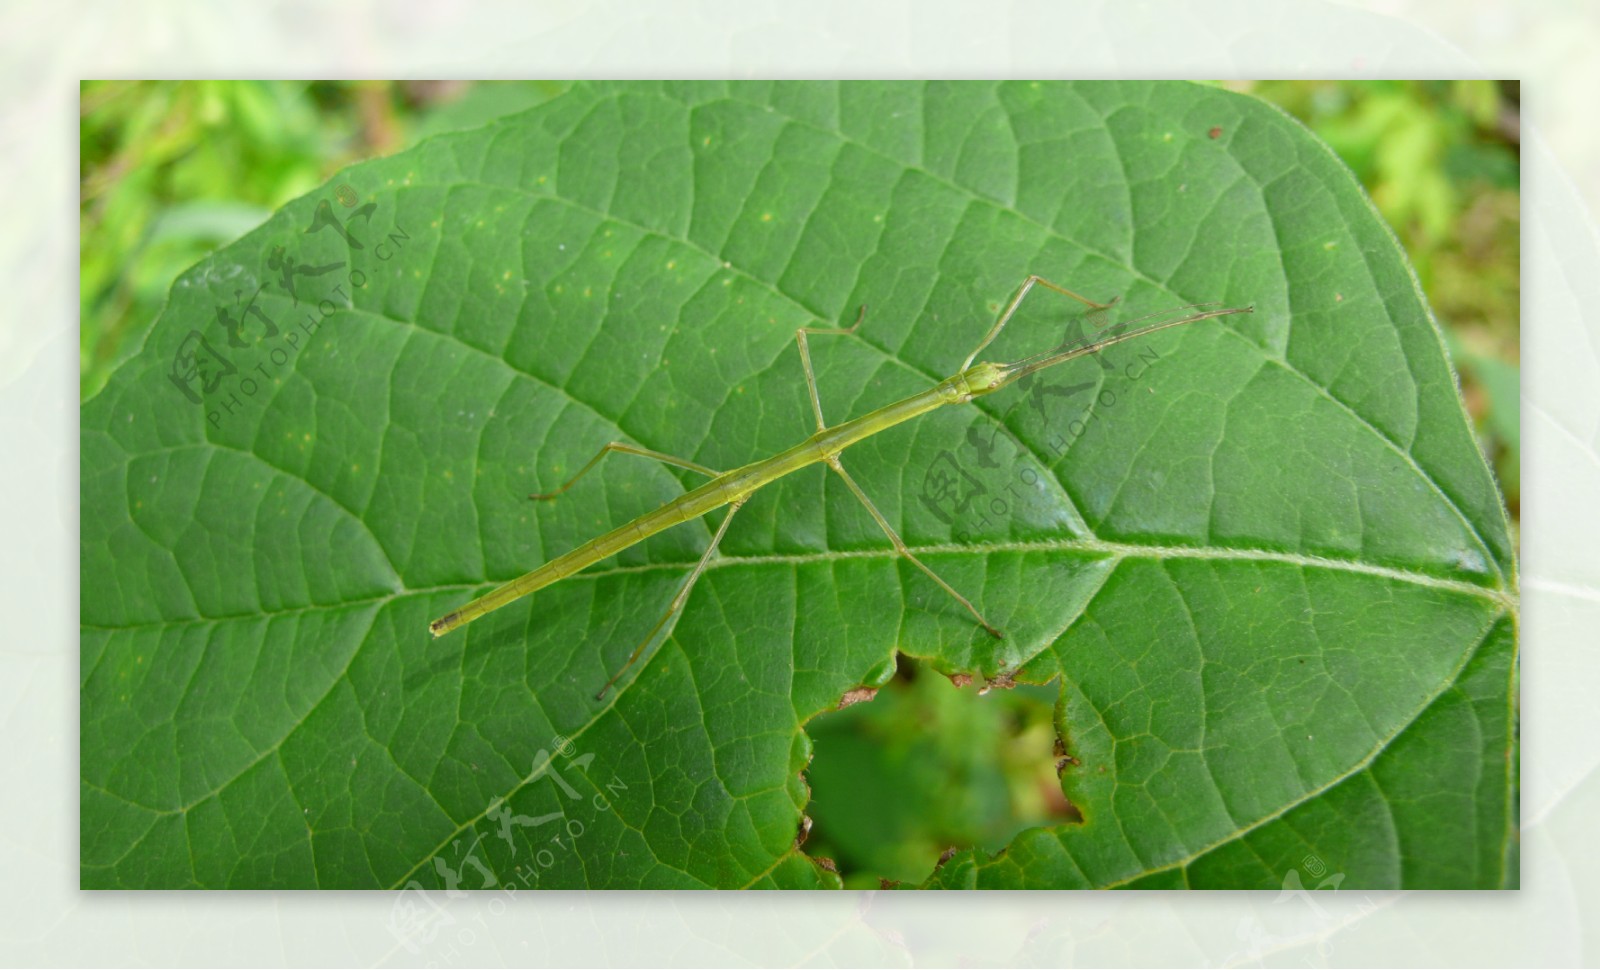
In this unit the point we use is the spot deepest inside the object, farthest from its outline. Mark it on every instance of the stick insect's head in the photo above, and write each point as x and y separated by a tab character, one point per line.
985	378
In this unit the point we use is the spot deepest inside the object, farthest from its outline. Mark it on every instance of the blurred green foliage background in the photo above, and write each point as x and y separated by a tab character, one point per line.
170	171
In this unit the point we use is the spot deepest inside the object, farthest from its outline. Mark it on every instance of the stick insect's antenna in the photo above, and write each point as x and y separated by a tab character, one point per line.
1115	334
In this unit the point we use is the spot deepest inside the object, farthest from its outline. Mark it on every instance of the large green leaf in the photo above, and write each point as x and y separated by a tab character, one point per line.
1262	553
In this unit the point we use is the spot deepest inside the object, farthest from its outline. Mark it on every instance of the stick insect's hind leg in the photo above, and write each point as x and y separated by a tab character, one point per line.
805	359
678	600
626	449
1016	301
900	547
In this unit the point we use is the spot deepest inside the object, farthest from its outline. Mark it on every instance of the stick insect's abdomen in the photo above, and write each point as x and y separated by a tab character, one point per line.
682	509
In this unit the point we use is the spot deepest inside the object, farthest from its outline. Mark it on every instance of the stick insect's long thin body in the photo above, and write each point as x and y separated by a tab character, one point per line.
735	487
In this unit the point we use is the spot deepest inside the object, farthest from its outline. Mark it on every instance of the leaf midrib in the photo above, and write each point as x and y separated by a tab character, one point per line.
1115	551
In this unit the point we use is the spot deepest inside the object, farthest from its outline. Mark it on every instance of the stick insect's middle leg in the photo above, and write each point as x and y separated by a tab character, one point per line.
626	449
678	600
901	548
838	466
805	359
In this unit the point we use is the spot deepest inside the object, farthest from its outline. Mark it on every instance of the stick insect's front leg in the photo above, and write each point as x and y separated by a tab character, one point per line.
805	359
1016	301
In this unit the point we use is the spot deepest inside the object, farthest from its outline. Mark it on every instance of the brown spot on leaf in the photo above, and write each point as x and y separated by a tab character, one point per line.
888	883
859	695
960	680
947	855
805	831
1215	132
1001	681
824	862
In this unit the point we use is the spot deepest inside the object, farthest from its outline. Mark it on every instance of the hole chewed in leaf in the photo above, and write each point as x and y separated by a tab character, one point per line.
933	764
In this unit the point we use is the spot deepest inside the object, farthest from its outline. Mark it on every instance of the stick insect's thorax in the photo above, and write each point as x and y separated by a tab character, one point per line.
741	483
957	389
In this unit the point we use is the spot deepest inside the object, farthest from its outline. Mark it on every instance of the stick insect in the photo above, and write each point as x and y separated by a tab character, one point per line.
734	488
